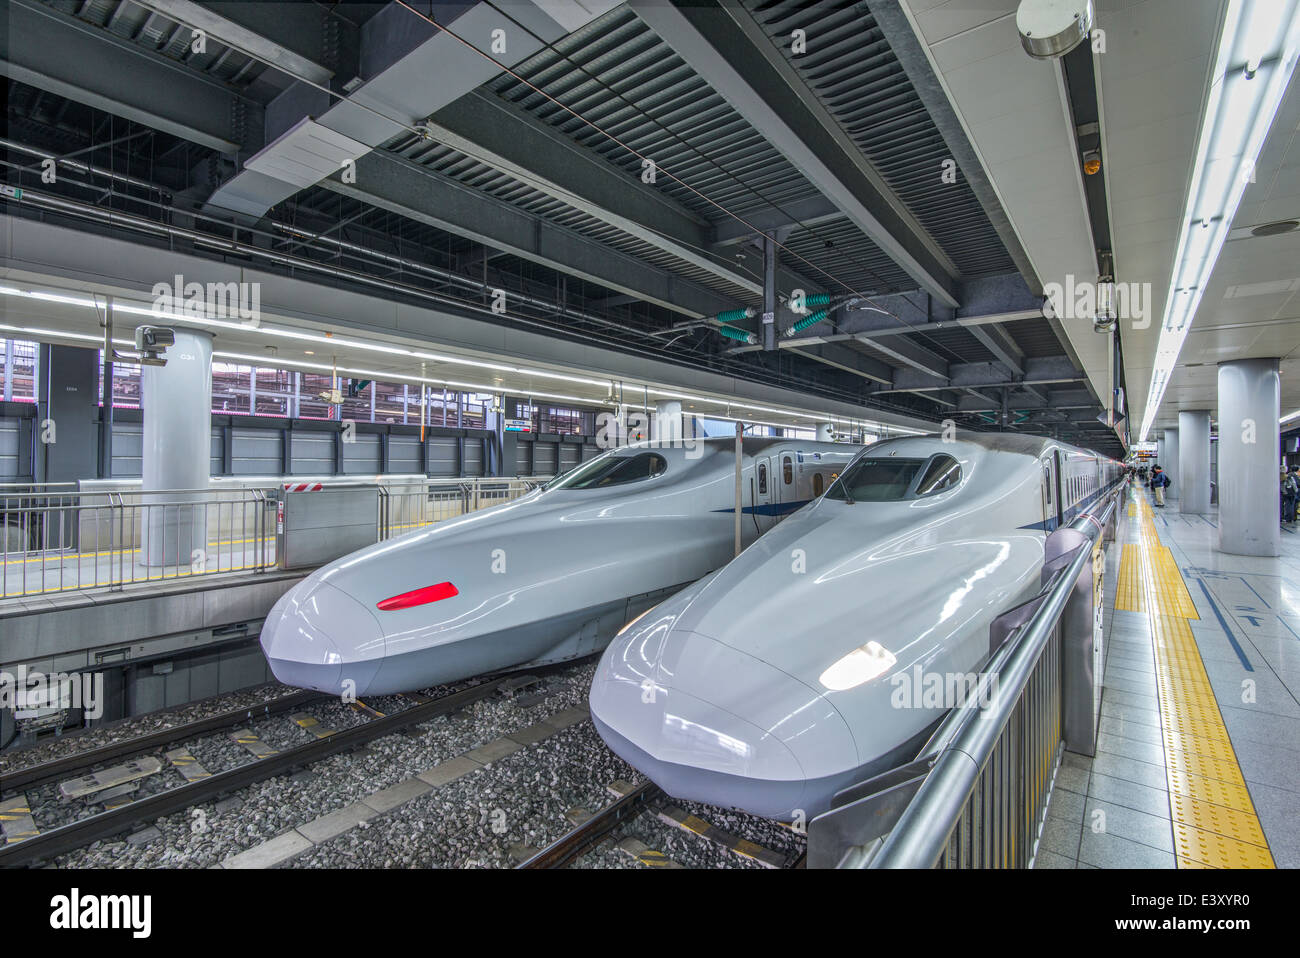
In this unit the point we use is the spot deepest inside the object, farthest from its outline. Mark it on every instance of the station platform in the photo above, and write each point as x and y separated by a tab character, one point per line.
89	569
1197	762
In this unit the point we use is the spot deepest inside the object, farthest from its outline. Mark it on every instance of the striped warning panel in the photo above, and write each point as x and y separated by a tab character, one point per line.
742	847
361	706
647	856
16	820
250	741
311	724
1214	820
185	763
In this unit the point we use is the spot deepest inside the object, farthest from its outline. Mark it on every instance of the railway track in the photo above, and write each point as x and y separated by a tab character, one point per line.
36	776
630	803
113	821
574	843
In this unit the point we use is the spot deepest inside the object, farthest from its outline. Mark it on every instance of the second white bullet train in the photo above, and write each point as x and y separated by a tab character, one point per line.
792	672
547	577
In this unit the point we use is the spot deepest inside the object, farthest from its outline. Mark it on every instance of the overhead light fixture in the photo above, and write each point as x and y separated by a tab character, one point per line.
1252	69
1091	162
793	418
1049	29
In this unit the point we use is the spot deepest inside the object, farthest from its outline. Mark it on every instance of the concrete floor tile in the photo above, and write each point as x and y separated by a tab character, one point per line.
1061	836
1111	851
1148	752
1125	822
1130	770
1118	791
1050	859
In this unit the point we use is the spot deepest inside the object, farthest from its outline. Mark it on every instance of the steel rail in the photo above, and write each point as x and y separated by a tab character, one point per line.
578	840
106	824
37	775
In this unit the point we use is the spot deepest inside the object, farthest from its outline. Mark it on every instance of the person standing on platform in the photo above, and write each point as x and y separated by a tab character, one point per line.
1290	494
1159	482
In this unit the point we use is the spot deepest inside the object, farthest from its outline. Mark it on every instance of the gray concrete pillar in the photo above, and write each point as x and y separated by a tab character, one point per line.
1249	397
1169	463
176	400
825	432
1193	465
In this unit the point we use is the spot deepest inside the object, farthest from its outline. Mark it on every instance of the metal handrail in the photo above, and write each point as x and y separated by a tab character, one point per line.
93	539
959	749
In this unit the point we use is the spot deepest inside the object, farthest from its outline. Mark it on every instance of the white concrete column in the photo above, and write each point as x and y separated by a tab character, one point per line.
1194	460
668	421
1249	397
1169	463
176	400
825	432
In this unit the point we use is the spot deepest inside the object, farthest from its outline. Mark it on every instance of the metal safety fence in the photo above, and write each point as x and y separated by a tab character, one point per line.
56	538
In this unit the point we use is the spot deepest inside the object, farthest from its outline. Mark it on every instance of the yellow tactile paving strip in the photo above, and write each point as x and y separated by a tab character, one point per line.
1214	820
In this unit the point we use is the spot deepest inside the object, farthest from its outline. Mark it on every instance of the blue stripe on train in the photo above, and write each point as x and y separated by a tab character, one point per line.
1073	512
769	509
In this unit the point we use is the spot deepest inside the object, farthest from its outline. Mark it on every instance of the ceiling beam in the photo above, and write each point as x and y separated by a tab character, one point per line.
247	41
1037	371
400	186
812	211
927	366
724	45
501	135
1056	399
848	361
51	51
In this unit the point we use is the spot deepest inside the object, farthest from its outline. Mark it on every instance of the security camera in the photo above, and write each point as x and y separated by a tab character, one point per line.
151	342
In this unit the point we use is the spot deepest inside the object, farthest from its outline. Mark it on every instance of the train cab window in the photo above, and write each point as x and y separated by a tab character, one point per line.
606	471
876	480
762	478
787	469
943	473
819	484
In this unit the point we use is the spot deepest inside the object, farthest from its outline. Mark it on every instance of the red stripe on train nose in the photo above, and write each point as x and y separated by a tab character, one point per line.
430	593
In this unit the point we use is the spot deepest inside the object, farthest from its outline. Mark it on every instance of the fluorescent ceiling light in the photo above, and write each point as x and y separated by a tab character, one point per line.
1289	417
1253	67
794	418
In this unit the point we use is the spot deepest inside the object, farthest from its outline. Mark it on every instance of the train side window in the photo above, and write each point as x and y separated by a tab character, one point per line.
787	469
606	471
1047	482
819	484
762	478
943	473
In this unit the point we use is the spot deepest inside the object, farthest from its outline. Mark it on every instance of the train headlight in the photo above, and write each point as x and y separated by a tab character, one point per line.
861	665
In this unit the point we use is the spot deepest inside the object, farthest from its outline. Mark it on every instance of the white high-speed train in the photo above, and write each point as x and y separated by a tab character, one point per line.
548	577
796	670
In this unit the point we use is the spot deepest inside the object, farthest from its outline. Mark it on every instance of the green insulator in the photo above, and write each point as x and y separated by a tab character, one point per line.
817	299
735	315
810	320
732	333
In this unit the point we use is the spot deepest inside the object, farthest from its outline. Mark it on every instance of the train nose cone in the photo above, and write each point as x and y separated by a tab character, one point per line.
319	637
710	722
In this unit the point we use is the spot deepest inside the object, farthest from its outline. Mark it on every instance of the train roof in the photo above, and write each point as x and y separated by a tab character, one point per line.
1001	442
